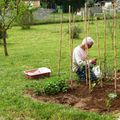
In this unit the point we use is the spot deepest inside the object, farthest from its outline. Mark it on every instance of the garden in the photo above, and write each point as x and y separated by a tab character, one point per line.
61	95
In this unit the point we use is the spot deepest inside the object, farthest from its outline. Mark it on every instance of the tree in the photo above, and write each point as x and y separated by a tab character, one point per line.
8	14
118	3
90	3
24	17
76	4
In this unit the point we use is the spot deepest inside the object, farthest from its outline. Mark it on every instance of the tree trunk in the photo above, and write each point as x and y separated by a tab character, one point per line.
4	43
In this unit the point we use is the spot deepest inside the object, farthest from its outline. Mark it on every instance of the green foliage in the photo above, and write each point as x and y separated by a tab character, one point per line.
25	17
109	100
7	13
90	3
52	87
25	20
55	87
75	31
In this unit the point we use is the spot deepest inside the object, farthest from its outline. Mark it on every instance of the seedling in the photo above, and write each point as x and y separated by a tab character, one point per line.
109	101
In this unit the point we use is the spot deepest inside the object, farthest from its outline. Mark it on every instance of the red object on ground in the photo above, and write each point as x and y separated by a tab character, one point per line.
38	73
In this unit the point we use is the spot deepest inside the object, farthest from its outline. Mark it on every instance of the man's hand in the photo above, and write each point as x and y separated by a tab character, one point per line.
93	61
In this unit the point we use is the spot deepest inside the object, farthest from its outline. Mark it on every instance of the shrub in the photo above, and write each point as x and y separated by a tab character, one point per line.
75	31
25	20
52	88
25	16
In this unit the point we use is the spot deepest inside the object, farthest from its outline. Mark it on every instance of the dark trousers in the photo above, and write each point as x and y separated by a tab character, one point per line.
82	74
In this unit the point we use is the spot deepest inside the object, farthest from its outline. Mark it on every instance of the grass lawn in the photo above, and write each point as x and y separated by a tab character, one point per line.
38	47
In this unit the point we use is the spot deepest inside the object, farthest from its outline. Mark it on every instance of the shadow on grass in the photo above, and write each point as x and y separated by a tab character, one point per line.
9	44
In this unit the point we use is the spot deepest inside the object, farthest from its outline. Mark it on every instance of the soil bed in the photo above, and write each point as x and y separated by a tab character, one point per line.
79	96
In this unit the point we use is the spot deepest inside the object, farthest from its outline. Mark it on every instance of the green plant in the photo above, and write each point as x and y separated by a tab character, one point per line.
55	87
25	16
51	88
8	15
75	31
25	20
62	85
109	100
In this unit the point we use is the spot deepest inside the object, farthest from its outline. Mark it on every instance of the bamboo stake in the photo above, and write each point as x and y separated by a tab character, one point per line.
60	43
104	46
89	79
88	22
115	52
70	42
98	46
85	16
74	18
82	10
84	19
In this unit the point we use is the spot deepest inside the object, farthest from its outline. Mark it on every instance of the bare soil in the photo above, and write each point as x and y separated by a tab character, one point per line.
79	96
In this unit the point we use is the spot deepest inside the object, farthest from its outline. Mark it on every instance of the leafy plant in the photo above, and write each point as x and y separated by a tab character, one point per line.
25	16
8	14
55	87
52	88
75	31
109	101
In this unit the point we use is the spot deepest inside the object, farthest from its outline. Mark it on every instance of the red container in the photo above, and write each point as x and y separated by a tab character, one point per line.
37	73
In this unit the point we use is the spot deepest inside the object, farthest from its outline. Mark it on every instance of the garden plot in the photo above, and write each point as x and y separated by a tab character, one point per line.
78	96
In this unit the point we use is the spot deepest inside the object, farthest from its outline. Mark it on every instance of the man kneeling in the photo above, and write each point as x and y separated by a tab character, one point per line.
80	61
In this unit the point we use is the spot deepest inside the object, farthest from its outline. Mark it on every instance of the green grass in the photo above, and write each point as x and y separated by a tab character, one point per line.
34	48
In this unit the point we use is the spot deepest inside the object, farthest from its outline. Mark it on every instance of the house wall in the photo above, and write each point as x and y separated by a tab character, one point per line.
36	3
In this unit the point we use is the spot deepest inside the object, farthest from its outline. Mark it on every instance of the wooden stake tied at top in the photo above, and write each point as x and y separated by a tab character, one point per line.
98	46
60	44
105	63
70	43
85	18
88	80
115	51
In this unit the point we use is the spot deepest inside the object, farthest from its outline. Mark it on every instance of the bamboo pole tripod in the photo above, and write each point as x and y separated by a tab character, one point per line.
60	44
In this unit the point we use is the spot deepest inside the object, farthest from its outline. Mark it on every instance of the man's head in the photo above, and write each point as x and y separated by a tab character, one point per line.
88	42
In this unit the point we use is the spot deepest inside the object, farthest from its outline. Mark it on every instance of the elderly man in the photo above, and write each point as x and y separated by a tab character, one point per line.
80	59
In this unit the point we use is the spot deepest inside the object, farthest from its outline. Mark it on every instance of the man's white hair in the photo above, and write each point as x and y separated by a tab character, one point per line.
87	40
